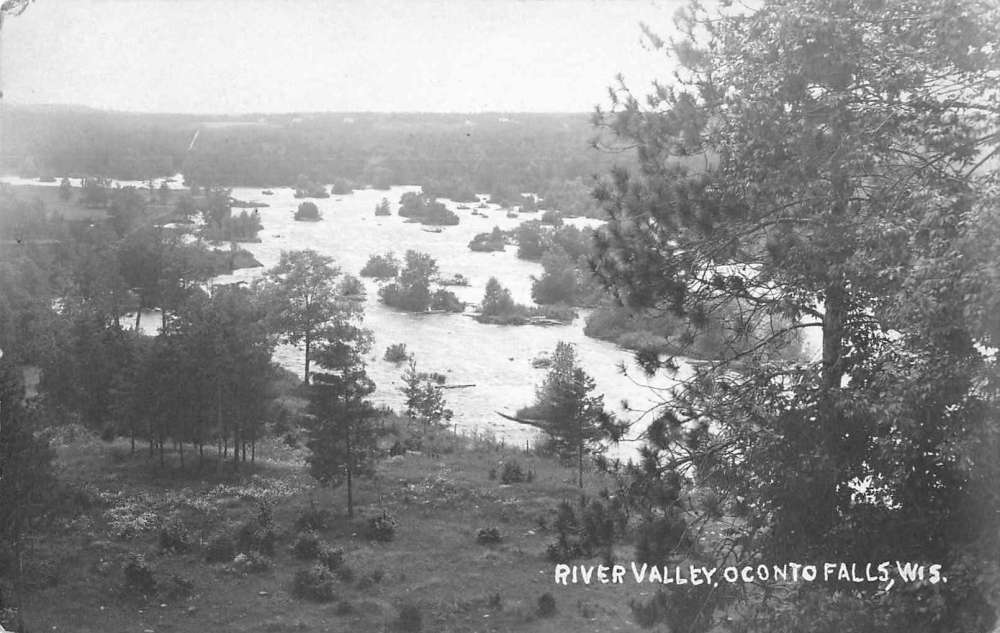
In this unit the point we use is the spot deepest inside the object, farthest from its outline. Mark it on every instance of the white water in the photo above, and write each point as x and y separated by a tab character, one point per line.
496	359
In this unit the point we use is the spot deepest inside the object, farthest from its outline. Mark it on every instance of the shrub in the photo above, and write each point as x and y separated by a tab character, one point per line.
331	557
552	217
488	242
307	546
315	583
396	353
312	518
220	549
410	619
511	473
307	211
381	266
138	575
257	534
175	537
446	300
351	286
488	536
252	562
381	528
546	605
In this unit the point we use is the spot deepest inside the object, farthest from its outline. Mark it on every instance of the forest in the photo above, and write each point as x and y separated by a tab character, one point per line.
812	167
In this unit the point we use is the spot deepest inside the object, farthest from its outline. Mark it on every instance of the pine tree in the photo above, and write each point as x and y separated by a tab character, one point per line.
570	414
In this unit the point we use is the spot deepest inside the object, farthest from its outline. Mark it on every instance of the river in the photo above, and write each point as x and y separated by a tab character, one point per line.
496	359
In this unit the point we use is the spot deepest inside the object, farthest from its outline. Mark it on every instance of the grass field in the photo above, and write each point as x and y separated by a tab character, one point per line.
440	496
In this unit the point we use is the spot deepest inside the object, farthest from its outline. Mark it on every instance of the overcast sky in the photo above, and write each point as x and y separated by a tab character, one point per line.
232	56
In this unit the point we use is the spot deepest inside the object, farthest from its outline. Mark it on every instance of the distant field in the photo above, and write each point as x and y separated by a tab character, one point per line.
49	196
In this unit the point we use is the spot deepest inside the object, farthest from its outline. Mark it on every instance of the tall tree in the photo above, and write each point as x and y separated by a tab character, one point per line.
342	439
819	166
574	419
303	296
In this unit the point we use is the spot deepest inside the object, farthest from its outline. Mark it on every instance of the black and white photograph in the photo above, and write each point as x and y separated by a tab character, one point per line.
483	316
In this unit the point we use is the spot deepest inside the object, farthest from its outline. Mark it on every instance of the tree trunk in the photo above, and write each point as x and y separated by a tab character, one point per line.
350	461
308	341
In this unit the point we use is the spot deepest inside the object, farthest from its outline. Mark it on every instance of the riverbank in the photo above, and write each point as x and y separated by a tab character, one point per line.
440	494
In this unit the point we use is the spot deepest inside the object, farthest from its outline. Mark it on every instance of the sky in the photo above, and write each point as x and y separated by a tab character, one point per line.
240	56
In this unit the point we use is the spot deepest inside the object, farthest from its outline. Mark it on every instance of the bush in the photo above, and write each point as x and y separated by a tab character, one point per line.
381	528
351	286
307	546
488	536
553	218
220	549
546	605
511	473
138	576
488	242
257	534
331	557
308	212
447	301
252	563
315	583
396	353
175	537
381	266
410	619
312	518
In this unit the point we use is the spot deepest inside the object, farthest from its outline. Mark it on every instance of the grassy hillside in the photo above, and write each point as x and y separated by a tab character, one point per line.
440	495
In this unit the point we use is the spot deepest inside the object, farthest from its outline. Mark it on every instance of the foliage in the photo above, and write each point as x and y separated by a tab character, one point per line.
381	527
424	396
382	208
307	212
396	353
820	166
512	473
306	188
241	228
564	408
558	283
175	536
488	242
425	209
488	536
447	301
312	518
342	440
307	545
530	244
381	266
552	218
315	583
496	300
411	290
546	607
350	286
302	294
139	578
